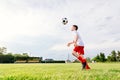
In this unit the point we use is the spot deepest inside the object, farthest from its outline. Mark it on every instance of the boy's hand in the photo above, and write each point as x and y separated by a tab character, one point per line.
75	44
68	44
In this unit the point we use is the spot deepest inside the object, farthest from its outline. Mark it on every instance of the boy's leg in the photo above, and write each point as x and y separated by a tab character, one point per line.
81	59
87	66
84	62
75	54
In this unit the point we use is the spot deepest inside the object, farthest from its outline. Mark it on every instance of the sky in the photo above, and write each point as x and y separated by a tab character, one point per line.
35	26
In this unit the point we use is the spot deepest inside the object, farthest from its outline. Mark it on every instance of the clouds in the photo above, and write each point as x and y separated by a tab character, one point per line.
24	20
35	26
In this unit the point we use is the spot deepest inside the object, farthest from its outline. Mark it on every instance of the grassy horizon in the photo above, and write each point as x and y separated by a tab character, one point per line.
71	71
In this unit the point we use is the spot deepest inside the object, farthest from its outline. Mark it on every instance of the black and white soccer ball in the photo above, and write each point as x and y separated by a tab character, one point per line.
64	21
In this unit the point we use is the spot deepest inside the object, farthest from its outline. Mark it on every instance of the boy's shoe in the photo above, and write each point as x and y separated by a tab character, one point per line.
83	65
87	67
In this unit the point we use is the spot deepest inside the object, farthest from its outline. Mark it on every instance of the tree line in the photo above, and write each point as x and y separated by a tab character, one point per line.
23	58
12	58
5	57
114	56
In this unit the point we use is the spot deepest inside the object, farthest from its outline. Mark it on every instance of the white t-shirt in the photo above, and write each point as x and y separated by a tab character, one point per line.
79	41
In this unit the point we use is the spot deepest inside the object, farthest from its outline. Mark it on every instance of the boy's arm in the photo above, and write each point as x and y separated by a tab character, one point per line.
70	43
74	41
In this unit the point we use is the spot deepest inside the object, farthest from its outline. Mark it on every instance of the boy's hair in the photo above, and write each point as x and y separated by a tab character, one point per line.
76	27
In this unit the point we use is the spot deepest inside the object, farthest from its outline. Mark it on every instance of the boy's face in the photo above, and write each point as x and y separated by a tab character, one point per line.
72	28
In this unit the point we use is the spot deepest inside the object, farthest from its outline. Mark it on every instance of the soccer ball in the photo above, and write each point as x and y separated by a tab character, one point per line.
64	21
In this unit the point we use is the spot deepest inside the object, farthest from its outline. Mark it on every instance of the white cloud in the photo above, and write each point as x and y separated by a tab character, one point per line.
104	45
59	47
24	21
98	21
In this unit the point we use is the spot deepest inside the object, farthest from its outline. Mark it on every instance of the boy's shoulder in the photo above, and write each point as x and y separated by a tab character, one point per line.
76	32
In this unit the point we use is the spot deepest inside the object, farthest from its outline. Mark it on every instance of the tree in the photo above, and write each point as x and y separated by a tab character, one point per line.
97	58
102	57
21	57
6	58
109	58
114	55
3	50
118	56
25	54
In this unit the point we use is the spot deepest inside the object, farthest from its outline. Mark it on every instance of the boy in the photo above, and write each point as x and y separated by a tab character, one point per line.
78	50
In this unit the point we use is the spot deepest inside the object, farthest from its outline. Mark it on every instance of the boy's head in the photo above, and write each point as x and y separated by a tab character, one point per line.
74	28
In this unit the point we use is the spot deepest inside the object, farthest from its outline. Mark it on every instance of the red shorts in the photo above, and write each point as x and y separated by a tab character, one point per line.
79	49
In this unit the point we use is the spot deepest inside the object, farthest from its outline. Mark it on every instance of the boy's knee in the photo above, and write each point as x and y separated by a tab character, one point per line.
73	53
81	55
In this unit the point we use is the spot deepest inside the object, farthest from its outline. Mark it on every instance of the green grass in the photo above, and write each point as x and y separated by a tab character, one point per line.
99	71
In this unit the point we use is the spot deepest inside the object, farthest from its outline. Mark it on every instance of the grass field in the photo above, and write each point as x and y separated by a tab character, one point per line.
99	71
